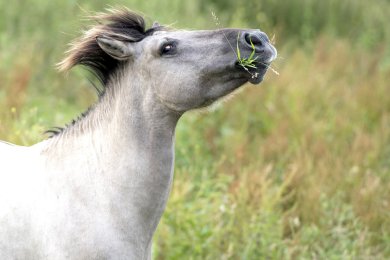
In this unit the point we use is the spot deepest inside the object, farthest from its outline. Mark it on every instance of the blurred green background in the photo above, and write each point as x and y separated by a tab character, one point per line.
297	168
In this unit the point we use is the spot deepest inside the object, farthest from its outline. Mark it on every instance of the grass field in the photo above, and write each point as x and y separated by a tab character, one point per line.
296	168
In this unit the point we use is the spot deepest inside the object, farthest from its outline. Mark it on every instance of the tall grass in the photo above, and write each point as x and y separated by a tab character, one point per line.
296	169
362	22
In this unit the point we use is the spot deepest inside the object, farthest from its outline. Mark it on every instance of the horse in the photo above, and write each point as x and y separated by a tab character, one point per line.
97	188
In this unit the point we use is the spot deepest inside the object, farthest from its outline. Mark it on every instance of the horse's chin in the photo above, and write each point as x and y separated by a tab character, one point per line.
256	79
257	76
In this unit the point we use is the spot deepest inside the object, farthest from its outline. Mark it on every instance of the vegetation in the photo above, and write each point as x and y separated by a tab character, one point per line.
296	169
248	62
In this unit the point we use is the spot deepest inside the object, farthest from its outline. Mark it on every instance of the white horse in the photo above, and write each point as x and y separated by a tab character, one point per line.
97	189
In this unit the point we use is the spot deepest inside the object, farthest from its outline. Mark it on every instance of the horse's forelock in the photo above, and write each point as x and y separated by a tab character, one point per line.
121	24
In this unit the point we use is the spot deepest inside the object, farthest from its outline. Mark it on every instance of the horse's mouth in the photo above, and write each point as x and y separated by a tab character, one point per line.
255	73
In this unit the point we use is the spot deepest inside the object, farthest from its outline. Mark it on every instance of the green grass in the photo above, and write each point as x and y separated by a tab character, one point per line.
248	62
296	169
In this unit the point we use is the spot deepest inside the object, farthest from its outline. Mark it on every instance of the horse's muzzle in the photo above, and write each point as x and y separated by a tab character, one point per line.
256	54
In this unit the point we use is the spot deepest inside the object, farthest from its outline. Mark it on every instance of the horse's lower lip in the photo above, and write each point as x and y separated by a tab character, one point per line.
254	75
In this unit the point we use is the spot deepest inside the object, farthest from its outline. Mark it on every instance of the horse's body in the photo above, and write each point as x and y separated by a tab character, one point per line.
97	189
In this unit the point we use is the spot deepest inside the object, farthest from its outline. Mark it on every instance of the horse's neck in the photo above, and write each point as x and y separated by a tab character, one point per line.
125	153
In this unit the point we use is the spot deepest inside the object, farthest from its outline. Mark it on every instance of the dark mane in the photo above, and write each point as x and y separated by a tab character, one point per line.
121	24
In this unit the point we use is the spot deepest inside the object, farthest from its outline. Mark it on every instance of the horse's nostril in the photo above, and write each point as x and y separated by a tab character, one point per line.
253	39
258	39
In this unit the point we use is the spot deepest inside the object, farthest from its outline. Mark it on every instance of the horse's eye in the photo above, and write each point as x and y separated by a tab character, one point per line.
168	48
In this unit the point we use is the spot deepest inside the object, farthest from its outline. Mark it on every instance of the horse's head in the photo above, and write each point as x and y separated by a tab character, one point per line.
186	69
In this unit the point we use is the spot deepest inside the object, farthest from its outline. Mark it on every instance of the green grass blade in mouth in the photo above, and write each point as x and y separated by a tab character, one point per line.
253	49
238	49
246	62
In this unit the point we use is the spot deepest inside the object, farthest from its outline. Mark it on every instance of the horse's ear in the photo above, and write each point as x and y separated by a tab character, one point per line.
117	49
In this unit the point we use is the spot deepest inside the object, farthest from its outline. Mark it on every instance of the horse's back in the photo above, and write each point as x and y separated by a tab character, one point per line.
16	160
19	174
